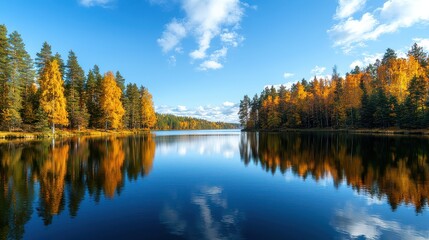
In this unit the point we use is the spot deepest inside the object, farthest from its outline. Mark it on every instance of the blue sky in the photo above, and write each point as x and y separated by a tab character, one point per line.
199	57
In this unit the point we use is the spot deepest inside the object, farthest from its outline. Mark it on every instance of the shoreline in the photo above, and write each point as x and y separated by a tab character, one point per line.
420	132
66	133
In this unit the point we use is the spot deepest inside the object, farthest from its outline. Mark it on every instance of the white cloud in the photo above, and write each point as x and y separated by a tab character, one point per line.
210	65
318	70
347	8
171	37
228	104
91	3
366	60
422	42
181	108
287	75
350	33
225	112
205	20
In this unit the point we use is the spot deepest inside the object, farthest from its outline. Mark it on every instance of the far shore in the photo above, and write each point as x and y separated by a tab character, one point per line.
354	131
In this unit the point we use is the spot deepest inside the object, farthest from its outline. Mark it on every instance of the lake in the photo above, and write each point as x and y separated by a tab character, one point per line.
216	185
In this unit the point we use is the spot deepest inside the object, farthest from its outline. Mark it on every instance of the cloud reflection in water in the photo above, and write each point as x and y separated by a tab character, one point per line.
204	214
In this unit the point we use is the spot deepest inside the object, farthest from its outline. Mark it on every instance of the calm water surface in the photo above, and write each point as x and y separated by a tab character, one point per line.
216	185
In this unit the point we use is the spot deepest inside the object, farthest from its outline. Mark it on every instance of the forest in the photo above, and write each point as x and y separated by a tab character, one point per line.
391	93
172	122
48	92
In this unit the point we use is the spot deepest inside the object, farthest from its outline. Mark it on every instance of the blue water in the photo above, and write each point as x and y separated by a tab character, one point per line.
216	185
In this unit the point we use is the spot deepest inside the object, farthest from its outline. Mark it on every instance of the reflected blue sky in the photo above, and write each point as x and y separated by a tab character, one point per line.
199	187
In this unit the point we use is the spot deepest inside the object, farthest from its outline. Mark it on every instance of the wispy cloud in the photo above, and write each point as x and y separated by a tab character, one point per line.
366	60
351	32
318	70
92	3
347	8
205	21
287	75
225	112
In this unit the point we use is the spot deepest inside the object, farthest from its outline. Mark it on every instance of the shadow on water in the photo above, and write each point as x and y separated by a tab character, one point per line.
64	172
380	166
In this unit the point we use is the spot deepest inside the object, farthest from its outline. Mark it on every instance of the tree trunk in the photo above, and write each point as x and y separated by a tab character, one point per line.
53	128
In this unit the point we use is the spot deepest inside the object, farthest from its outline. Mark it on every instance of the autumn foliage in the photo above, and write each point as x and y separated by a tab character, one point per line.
391	93
49	92
110	101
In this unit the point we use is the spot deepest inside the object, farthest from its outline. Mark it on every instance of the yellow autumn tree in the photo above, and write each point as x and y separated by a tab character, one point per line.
52	98
110	102
148	111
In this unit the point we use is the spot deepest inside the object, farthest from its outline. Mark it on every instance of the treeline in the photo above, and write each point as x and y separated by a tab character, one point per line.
48	92
392	92
172	122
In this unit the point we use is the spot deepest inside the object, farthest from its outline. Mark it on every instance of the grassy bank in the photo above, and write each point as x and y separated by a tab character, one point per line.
67	133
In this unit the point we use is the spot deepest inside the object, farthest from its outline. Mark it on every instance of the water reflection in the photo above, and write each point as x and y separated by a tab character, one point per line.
378	166
211	217
197	144
357	223
64	172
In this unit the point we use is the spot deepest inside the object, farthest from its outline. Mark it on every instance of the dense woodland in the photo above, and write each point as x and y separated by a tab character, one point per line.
391	93
48	92
172	122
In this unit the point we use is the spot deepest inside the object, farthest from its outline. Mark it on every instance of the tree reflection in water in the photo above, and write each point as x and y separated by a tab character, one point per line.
379	166
65	170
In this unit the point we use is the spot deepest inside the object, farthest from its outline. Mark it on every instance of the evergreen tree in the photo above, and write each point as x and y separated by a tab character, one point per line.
243	112
43	57
120	81
75	93
5	74
148	111
133	106
389	55
419	54
110	102
21	79
254	115
415	104
93	91
61	64
52	99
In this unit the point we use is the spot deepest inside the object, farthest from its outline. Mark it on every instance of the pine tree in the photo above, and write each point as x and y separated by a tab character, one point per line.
148	112
133	106
5	74
110	102
43	57
243	112
419	54
22	77
52	99
61	64
93	91
75	93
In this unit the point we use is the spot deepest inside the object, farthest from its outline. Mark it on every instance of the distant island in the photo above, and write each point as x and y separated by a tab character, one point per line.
392	93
